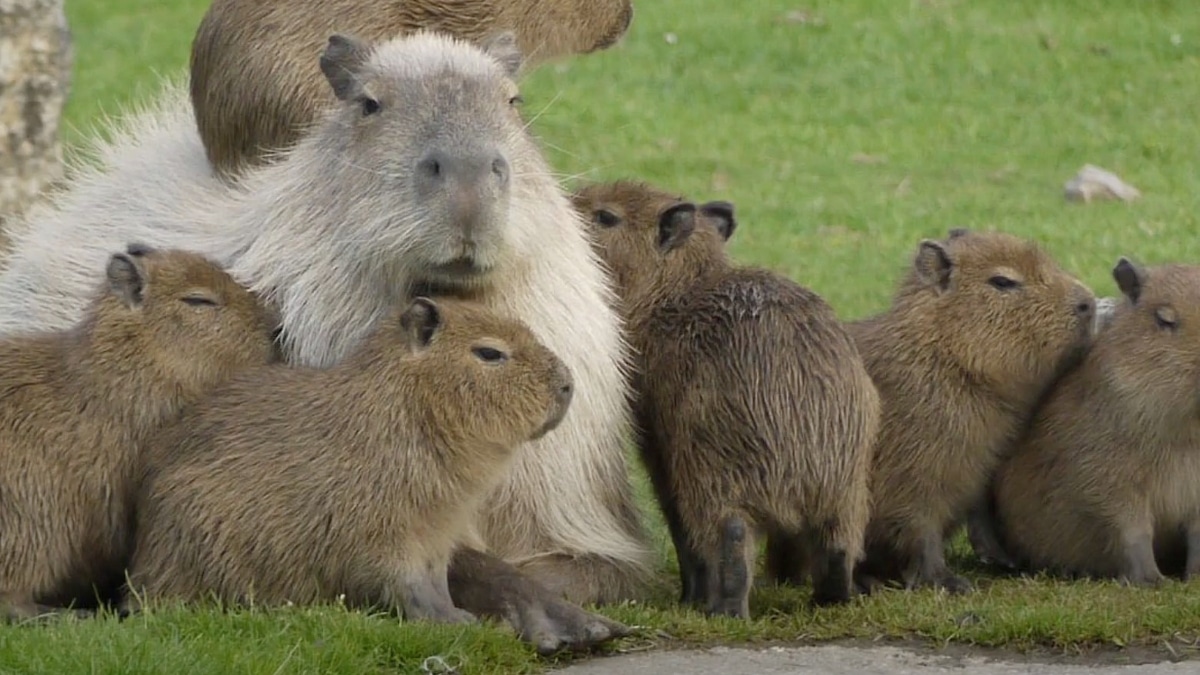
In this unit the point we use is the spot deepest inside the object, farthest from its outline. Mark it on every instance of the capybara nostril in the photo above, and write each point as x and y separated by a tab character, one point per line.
501	169
431	165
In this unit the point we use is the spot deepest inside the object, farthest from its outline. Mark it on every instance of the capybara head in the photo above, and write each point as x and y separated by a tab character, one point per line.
476	376
999	307
1150	351
189	319
427	128
652	240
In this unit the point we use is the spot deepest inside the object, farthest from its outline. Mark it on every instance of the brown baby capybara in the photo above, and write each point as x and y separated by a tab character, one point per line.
77	407
1109	473
255	90
754	409
295	484
980	327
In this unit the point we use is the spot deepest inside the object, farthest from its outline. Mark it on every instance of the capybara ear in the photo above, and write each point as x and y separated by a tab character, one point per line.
127	278
138	249
504	48
722	213
958	232
341	61
933	264
420	321
675	225
1130	278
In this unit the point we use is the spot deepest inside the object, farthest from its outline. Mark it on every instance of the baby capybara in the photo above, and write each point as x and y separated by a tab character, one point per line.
78	406
1109	473
980	327
754	409
300	484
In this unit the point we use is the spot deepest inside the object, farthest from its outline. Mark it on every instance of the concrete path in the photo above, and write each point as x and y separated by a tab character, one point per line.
840	660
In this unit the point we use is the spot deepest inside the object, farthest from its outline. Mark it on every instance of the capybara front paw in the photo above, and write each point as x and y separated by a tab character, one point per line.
553	625
954	584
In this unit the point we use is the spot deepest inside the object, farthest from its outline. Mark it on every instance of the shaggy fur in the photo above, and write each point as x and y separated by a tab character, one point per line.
754	408
77	407
339	231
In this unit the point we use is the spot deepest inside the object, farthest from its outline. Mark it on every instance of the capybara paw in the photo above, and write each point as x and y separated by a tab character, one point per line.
555	625
453	615
866	584
734	610
831	596
1144	580
17	612
1192	571
993	555
954	584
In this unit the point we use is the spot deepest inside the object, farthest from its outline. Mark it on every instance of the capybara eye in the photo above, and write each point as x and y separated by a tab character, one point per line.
1003	282
1165	317
369	106
199	301
489	354
607	218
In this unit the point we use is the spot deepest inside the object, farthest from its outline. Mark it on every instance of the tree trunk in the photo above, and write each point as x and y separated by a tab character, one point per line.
35	75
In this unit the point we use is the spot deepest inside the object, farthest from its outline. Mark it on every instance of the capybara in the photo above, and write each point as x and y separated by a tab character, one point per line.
753	408
77	407
295	484
979	328
440	188
1109	473
255	90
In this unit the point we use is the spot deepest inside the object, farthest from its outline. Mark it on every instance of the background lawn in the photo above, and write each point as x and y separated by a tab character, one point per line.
844	132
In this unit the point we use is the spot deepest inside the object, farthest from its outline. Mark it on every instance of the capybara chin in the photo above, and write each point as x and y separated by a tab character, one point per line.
754	409
1109	474
255	90
78	405
343	228
980	327
302	484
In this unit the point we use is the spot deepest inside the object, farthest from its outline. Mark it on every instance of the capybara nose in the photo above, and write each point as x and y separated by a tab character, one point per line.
565	393
465	170
566	385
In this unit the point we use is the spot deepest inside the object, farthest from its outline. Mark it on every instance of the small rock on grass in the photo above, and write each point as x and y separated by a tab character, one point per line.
1094	183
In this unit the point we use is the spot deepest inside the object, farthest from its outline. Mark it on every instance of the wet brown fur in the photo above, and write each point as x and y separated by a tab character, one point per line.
980	327
754	409
1109	474
255	88
76	408
301	484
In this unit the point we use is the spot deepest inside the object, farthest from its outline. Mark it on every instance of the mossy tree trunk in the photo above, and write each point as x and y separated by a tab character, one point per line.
35	75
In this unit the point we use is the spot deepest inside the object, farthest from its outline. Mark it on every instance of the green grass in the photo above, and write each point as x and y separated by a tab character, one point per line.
842	141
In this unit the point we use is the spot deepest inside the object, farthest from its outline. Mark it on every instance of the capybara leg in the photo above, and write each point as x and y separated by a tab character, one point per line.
985	537
585	578
693	575
787	557
832	572
424	598
490	587
1138	567
928	567
730	574
1192	570
875	570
